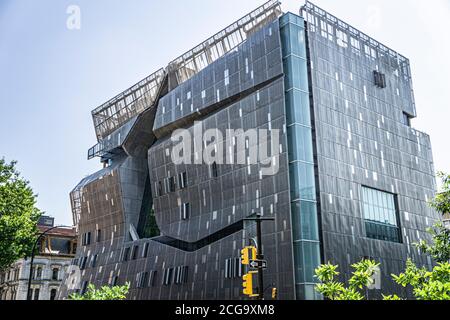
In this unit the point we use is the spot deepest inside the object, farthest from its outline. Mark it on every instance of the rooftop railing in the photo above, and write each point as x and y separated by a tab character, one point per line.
195	60
117	111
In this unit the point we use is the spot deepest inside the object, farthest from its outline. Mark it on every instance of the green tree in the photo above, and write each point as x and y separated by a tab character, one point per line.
442	200
362	277
18	215
104	293
439	250
427	285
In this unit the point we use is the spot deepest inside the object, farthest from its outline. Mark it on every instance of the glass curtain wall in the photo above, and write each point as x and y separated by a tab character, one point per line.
301	160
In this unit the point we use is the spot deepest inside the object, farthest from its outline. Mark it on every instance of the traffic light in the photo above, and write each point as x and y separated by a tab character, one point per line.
247	254
248	284
274	293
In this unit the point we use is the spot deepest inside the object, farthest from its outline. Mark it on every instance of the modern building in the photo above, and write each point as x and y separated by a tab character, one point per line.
56	251
351	177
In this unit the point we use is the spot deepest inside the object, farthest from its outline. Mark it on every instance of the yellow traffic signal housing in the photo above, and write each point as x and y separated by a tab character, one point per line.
274	293
248	284
247	254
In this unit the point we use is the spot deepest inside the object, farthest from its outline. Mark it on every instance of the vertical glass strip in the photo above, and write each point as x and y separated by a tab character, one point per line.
305	229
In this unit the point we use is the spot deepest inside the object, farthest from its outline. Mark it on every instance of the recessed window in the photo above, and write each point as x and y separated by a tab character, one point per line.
98	235
115	281
152	279
55	273
126	254
84	287
142	281
185	211
169	184
36	294
86	240
94	261
181	274
167	278
214	172
145	250
134	252
406	119
39	273
233	268
380	215
53	294
182	180
379	79
159	189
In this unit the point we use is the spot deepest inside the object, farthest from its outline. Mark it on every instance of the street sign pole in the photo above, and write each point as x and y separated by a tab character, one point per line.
260	255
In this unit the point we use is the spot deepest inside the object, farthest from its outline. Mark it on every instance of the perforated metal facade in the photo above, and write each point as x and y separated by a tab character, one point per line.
341	128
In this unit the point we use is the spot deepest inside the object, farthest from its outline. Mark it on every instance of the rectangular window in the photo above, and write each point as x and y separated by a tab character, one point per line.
169	184
83	262
379	79
86	239
98	235
36	294
214	172
94	261
233	268
406	119
182	180
380	215
134	253
142	280
159	189
145	250
126	254
185	211
84	287
152	279
167	279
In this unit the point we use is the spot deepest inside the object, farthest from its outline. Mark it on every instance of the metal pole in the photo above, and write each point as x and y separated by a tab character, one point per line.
260	256
32	258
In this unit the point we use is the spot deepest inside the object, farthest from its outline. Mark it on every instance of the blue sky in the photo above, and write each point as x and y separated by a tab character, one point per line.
52	77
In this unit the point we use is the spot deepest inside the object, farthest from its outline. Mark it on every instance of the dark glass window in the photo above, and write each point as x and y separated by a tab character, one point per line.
98	235
406	119
185	211
143	280
53	294
214	170
152	281
233	268
84	287
55	273
39	273
379	79
126	254
94	261
182	180
167	278
134	253
36	294
380	215
145	250
158	188
60	245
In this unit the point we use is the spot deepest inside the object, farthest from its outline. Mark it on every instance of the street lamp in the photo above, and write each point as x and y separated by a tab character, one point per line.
32	257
